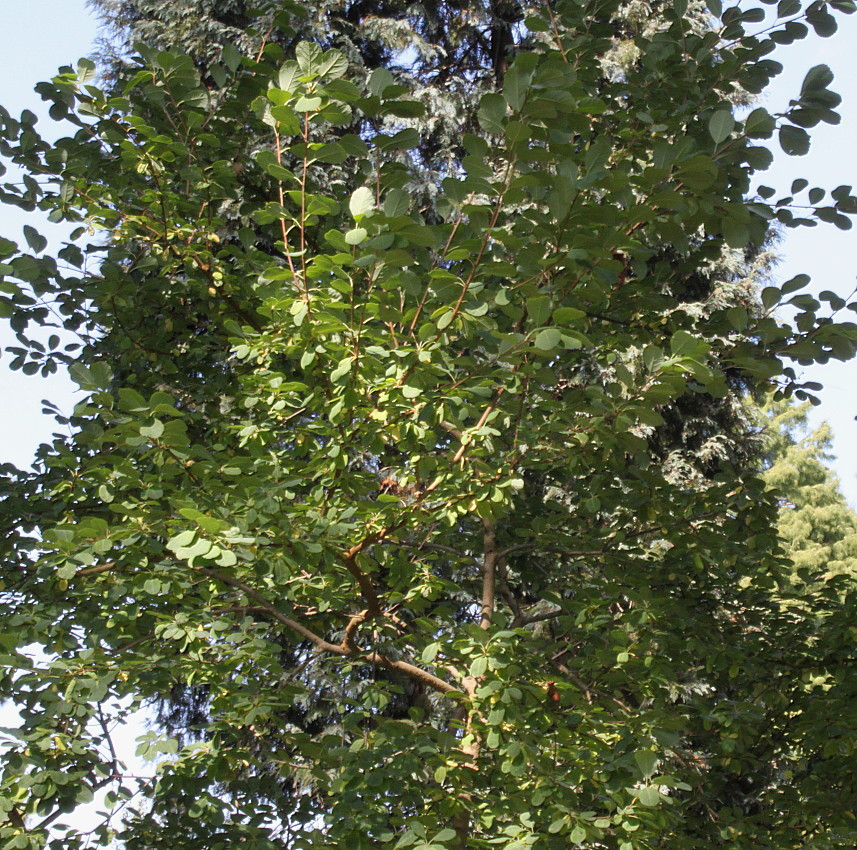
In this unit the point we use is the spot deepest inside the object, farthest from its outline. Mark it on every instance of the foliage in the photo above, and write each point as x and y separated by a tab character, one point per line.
449	55
333	435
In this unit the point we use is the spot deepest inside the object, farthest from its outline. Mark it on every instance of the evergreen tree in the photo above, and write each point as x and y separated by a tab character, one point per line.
816	524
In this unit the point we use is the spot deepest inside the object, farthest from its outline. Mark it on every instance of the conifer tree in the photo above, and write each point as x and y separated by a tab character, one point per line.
817	526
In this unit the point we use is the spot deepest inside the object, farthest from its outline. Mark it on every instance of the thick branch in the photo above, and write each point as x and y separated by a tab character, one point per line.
354	624
412	671
522	619
367	588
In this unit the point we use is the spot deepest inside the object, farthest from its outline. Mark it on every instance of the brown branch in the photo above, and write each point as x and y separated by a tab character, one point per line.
367	587
498	208
410	670
275	613
489	573
354	624
482	420
523	620
91	571
506	591
283	229
448	426
431	547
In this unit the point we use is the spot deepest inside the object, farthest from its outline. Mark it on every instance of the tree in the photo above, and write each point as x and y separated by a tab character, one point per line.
409	448
700	431
818	527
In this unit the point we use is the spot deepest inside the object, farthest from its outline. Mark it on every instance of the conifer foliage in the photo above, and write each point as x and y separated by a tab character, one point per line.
376	478
818	527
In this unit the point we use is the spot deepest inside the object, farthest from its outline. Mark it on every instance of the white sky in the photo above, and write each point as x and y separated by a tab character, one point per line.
40	35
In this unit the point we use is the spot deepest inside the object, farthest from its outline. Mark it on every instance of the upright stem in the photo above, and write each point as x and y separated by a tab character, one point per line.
489	573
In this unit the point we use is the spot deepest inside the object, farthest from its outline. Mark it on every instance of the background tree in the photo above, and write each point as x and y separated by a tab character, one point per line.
409	448
817	526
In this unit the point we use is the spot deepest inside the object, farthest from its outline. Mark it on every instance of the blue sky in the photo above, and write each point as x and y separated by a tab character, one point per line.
40	35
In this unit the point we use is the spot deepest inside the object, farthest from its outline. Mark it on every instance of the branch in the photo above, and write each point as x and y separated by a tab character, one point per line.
410	670
426	546
413	671
482	420
274	612
522	619
354	624
91	571
367	588
506	591
489	577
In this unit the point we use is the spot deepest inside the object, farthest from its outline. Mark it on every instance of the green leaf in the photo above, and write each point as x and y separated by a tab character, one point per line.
646	761
795	283
403	140
397	202
153	431
86	71
34	239
516	85
547	339
539	309
567	315
684	344
535	24
818	77
379	80
720	125
760	124
356	235
362	202
430	653
227	558
736	233
648	796
230	57
342	369
794	140
288	78
309	57
492	113
91	378
333	65
478	666
307	104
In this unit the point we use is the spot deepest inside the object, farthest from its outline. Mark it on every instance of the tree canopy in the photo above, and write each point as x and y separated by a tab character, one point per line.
373	457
